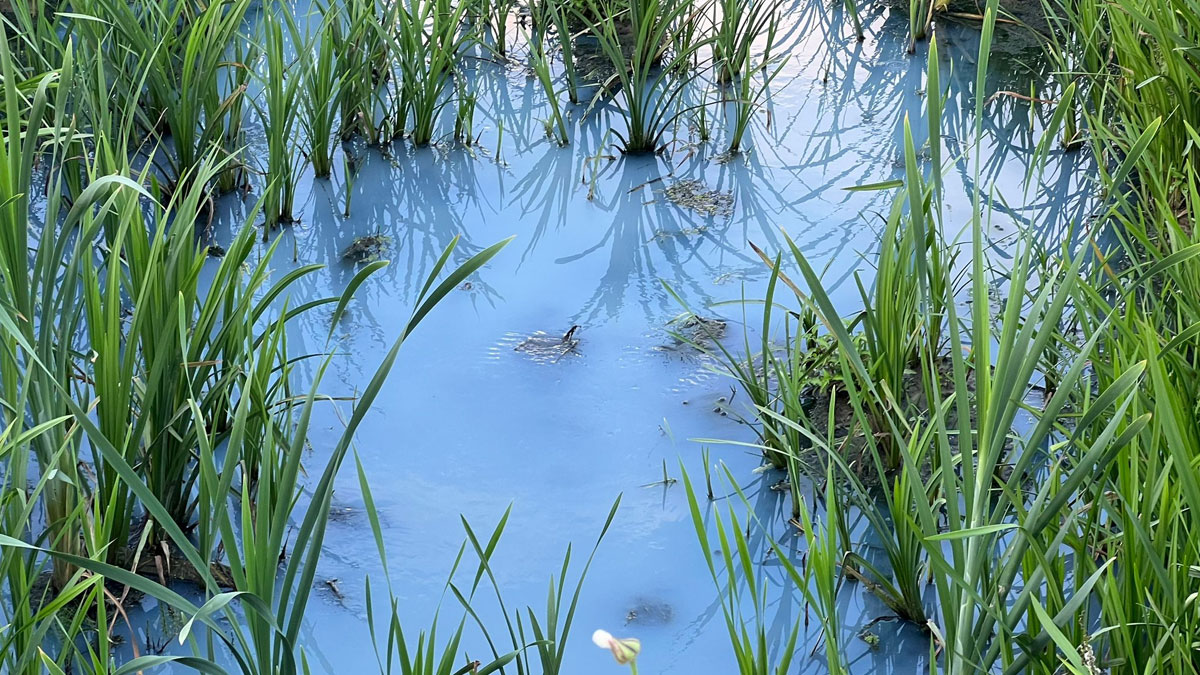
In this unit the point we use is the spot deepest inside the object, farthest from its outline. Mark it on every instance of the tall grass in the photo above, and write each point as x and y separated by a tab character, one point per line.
148	423
38	48
556	126
464	116
320	91
920	20
737	25
495	15
820	577
47	316
1029	523
756	373
45	601
235	173
545	637
739	28
555	21
740	582
253	528
279	113
361	50
149	418
180	49
646	75
995	504
1138	85
428	41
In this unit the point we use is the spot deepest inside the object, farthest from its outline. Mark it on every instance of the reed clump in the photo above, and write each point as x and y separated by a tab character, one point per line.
1033	516
1027	476
149	403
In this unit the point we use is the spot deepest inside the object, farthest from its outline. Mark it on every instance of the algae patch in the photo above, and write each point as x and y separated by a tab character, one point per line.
696	196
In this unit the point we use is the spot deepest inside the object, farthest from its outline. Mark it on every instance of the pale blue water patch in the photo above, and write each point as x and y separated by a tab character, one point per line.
473	420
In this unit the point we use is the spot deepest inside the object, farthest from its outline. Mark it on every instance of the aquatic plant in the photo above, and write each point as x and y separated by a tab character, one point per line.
171	372
972	576
464	116
235	174
1027	478
737	26
278	112
263	633
556	126
1140	310
896	312
753	373
348	173
45	313
645	76
1019	534
851	7
36	440
558	17
38	47
494	15
173	320
180	51
749	93
320	91
47	600
740	582
820	578
701	117
427	42
807	371
920	19
362	53
426	657
547	635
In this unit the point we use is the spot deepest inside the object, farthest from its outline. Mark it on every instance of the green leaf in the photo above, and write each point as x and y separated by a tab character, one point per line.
968	532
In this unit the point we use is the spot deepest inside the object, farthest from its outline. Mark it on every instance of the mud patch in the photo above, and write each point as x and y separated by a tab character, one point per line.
829	403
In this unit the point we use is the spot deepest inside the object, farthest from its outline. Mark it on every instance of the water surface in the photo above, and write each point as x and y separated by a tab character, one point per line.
473	420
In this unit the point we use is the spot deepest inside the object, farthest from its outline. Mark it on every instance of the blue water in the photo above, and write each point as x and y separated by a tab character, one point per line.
469	423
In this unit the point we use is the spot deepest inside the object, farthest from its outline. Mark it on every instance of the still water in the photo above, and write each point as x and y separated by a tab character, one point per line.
476	417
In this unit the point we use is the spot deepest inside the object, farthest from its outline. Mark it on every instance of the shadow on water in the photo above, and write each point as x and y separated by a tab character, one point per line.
474	424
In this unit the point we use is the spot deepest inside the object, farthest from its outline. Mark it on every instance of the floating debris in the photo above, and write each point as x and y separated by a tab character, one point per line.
695	195
727	157
747	274
335	588
339	514
695	332
367	249
650	612
660	235
215	251
545	347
